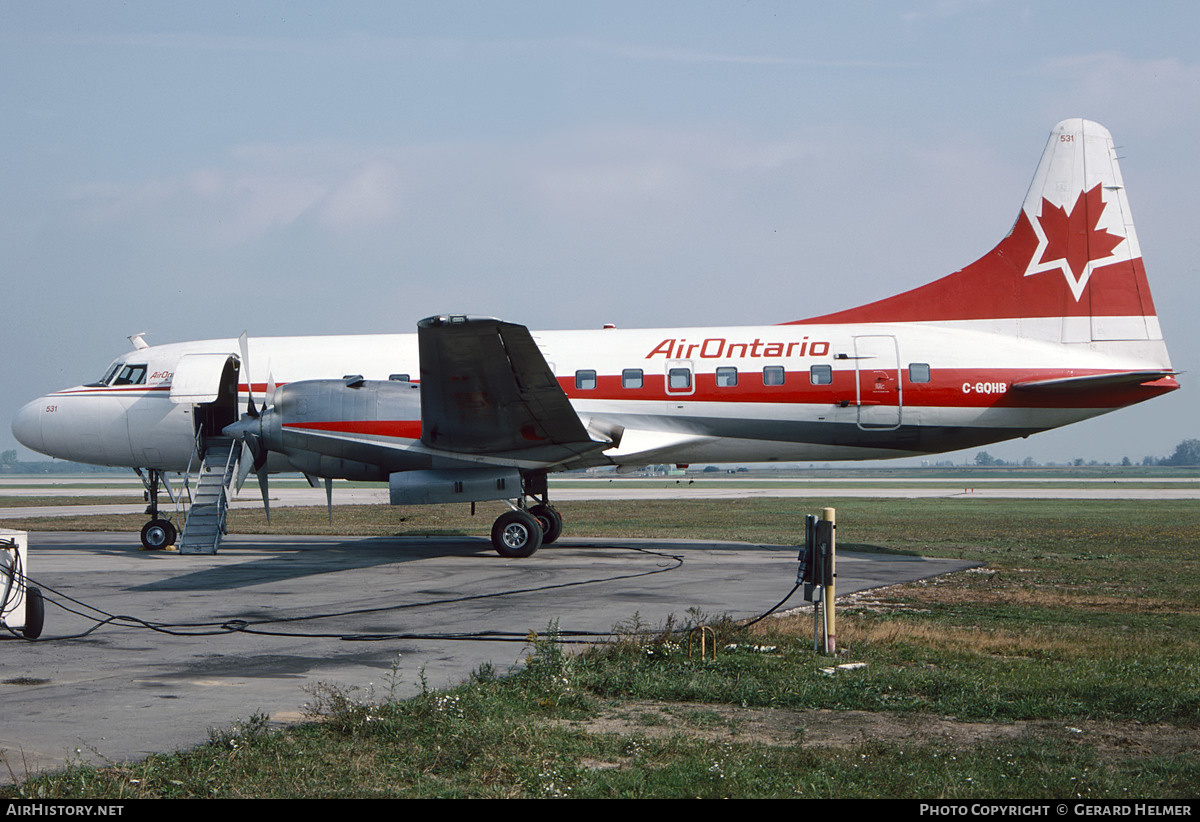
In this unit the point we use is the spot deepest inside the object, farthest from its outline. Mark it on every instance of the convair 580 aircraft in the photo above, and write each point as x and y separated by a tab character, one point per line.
1052	326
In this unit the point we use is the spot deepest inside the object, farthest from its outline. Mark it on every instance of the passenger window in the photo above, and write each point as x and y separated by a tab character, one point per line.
727	377
585	380
918	372
773	375
821	375
679	379
631	378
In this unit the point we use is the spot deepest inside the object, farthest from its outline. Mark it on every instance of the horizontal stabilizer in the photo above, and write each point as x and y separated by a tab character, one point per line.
1094	382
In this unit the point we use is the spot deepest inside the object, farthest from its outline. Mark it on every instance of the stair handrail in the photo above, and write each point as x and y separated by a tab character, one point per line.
223	499
187	473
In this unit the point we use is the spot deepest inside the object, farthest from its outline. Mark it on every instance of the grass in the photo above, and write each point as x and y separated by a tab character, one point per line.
1068	665
30	502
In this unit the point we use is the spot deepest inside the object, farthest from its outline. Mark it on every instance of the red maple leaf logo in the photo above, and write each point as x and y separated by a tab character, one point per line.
1073	237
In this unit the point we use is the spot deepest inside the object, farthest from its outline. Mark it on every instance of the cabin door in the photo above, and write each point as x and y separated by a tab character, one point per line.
879	394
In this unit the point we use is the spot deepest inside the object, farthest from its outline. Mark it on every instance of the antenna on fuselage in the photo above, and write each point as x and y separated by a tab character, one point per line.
138	340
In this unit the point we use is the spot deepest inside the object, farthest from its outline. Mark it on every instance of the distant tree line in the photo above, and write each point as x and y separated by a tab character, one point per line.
9	464
1186	453
985	460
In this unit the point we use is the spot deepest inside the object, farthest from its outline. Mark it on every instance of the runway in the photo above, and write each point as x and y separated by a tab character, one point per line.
247	630
1131	488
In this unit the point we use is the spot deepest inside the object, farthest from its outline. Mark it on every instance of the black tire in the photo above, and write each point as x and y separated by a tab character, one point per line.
516	534
551	522
35	613
158	534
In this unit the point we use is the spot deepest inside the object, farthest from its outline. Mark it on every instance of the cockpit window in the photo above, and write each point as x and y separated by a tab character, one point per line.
109	374
128	375
120	373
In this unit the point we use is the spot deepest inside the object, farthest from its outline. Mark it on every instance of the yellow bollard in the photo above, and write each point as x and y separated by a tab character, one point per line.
703	631
830	515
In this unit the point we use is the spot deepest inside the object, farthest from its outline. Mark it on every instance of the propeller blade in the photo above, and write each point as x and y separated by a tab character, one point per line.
244	345
329	497
262	485
254	452
245	462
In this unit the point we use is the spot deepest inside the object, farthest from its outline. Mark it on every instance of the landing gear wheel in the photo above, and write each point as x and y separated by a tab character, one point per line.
157	534
35	613
551	522
516	534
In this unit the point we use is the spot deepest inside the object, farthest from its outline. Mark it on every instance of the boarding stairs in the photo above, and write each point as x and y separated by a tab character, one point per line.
205	524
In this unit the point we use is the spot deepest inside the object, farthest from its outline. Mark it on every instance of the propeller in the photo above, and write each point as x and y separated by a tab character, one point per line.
251	429
244	345
248	429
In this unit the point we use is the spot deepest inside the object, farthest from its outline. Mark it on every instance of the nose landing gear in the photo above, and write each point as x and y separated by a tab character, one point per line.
159	533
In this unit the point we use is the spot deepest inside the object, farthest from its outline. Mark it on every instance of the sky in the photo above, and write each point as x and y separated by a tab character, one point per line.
196	170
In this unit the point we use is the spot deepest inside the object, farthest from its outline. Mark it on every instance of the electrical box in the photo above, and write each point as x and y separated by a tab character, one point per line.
21	606
816	558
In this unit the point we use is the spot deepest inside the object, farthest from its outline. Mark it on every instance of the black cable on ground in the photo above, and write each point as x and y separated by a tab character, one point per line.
242	626
235	625
758	619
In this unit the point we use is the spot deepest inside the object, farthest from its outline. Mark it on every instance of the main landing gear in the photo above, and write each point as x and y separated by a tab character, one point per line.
159	533
520	532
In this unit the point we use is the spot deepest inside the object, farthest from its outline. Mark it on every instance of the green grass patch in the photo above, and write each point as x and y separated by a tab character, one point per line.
33	502
1068	665
537	733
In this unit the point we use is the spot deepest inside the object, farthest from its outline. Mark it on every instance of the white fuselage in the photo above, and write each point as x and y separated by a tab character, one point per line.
738	394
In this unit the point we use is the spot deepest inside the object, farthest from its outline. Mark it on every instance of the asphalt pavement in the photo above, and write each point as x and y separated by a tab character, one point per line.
145	652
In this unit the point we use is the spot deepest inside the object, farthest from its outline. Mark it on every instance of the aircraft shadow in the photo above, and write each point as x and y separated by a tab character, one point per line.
289	559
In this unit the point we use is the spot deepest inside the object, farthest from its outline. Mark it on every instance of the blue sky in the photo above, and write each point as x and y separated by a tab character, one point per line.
196	170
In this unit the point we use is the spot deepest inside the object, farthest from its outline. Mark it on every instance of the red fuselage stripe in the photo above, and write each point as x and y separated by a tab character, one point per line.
948	388
399	429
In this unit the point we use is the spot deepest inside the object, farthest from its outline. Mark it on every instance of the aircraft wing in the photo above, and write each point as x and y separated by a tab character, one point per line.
486	389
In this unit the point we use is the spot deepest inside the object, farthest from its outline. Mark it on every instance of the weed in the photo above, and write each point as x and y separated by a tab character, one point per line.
550	674
348	711
241	734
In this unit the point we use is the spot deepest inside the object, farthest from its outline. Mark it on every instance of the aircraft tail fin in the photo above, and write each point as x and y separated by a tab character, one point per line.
1070	270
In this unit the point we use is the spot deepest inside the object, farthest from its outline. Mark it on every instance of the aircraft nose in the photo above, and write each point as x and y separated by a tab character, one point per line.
27	426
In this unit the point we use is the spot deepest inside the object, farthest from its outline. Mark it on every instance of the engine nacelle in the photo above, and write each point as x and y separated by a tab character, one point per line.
350	429
454	485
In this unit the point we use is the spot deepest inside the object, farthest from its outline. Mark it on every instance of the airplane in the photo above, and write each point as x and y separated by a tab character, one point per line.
1052	326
